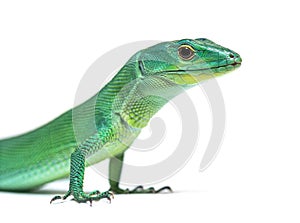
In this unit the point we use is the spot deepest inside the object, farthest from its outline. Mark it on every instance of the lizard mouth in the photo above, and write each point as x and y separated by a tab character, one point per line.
194	76
230	66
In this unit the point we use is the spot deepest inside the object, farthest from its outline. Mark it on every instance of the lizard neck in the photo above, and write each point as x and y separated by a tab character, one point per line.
105	99
133	97
138	101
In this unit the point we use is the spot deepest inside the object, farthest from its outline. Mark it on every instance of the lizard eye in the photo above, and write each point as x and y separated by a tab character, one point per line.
186	52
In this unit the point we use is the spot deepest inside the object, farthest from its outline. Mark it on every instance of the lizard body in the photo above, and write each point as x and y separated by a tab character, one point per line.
108	123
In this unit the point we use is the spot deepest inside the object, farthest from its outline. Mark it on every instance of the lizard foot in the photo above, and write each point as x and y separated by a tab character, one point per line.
82	197
140	190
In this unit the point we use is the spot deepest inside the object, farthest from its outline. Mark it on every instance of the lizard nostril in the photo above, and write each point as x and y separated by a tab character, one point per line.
231	55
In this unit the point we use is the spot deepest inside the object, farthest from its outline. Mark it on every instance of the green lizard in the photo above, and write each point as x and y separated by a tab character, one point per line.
119	111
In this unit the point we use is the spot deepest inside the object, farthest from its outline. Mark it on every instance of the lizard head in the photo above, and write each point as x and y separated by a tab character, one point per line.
188	61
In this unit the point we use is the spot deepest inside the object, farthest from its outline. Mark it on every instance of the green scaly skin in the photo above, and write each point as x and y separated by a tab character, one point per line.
106	125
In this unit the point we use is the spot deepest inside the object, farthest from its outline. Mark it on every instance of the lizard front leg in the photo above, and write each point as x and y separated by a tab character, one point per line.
76	182
115	169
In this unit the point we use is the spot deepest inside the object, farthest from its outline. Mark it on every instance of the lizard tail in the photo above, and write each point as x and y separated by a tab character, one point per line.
37	157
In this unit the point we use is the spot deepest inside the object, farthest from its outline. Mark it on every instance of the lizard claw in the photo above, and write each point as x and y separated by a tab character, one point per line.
55	198
60	197
164	188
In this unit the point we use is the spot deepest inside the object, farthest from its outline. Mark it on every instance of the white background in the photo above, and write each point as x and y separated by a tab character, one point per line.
46	48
